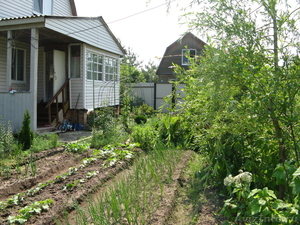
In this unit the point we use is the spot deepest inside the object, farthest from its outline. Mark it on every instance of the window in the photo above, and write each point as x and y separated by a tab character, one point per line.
43	6
111	69
186	54
94	66
18	66
75	61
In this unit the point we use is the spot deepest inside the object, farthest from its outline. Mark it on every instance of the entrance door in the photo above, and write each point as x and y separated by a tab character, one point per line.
59	64
55	73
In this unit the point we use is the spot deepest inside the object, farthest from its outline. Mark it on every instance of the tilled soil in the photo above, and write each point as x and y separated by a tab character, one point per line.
54	162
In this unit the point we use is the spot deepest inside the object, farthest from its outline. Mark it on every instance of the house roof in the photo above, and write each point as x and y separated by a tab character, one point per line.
73	7
173	53
91	30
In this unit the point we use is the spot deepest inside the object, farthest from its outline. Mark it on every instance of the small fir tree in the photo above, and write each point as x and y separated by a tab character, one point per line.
25	136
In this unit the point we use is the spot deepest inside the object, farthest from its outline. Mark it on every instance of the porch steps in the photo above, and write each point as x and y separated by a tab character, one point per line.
42	114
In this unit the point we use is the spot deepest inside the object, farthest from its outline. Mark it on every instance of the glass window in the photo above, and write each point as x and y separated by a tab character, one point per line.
186	54
43	6
94	66
18	66
111	69
75	61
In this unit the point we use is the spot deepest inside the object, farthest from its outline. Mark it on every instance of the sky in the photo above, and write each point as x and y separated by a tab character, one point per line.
146	28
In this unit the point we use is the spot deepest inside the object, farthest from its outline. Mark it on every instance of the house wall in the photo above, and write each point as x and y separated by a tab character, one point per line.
93	32
62	8
25	8
3	60
13	106
106	93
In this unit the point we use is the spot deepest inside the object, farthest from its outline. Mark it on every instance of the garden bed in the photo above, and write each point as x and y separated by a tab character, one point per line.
63	181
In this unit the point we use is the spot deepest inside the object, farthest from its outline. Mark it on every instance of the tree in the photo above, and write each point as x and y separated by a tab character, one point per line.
149	72
242	99
129	70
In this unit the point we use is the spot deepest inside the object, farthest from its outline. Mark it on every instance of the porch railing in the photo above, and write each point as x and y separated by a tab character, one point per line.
65	96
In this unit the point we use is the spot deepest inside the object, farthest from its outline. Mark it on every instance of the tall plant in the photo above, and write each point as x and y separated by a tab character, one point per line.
25	136
242	100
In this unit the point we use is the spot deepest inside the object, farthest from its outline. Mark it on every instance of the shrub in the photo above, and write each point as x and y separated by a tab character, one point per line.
140	119
25	136
146	136
145	110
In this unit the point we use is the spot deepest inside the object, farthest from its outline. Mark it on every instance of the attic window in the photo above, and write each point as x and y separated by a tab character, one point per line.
43	6
186	54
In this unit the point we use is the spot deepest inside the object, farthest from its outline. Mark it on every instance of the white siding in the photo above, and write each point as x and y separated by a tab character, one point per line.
14	8
76	86
3	64
88	30
13	106
62	8
106	94
18	8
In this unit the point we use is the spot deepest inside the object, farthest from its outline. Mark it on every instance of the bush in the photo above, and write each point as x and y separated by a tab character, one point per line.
146	136
145	110
25	136
140	119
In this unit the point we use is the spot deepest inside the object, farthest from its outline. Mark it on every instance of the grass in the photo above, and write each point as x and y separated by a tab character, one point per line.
133	198
14	158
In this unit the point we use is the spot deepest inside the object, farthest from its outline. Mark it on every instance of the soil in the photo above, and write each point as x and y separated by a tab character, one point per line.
175	208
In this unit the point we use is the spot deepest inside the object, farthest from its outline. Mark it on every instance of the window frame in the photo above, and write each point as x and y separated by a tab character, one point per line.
45	9
94	65
71	57
184	59
14	73
111	69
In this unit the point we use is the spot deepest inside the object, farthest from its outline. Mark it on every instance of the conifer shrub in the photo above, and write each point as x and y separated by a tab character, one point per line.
140	119
25	136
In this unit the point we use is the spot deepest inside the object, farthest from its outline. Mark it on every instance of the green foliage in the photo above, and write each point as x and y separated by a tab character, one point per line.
149	72
117	136
257	206
25	136
145	110
140	119
28	211
77	147
173	131
44	141
146	135
7	143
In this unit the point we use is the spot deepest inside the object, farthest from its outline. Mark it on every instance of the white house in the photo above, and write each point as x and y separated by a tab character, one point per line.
55	61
